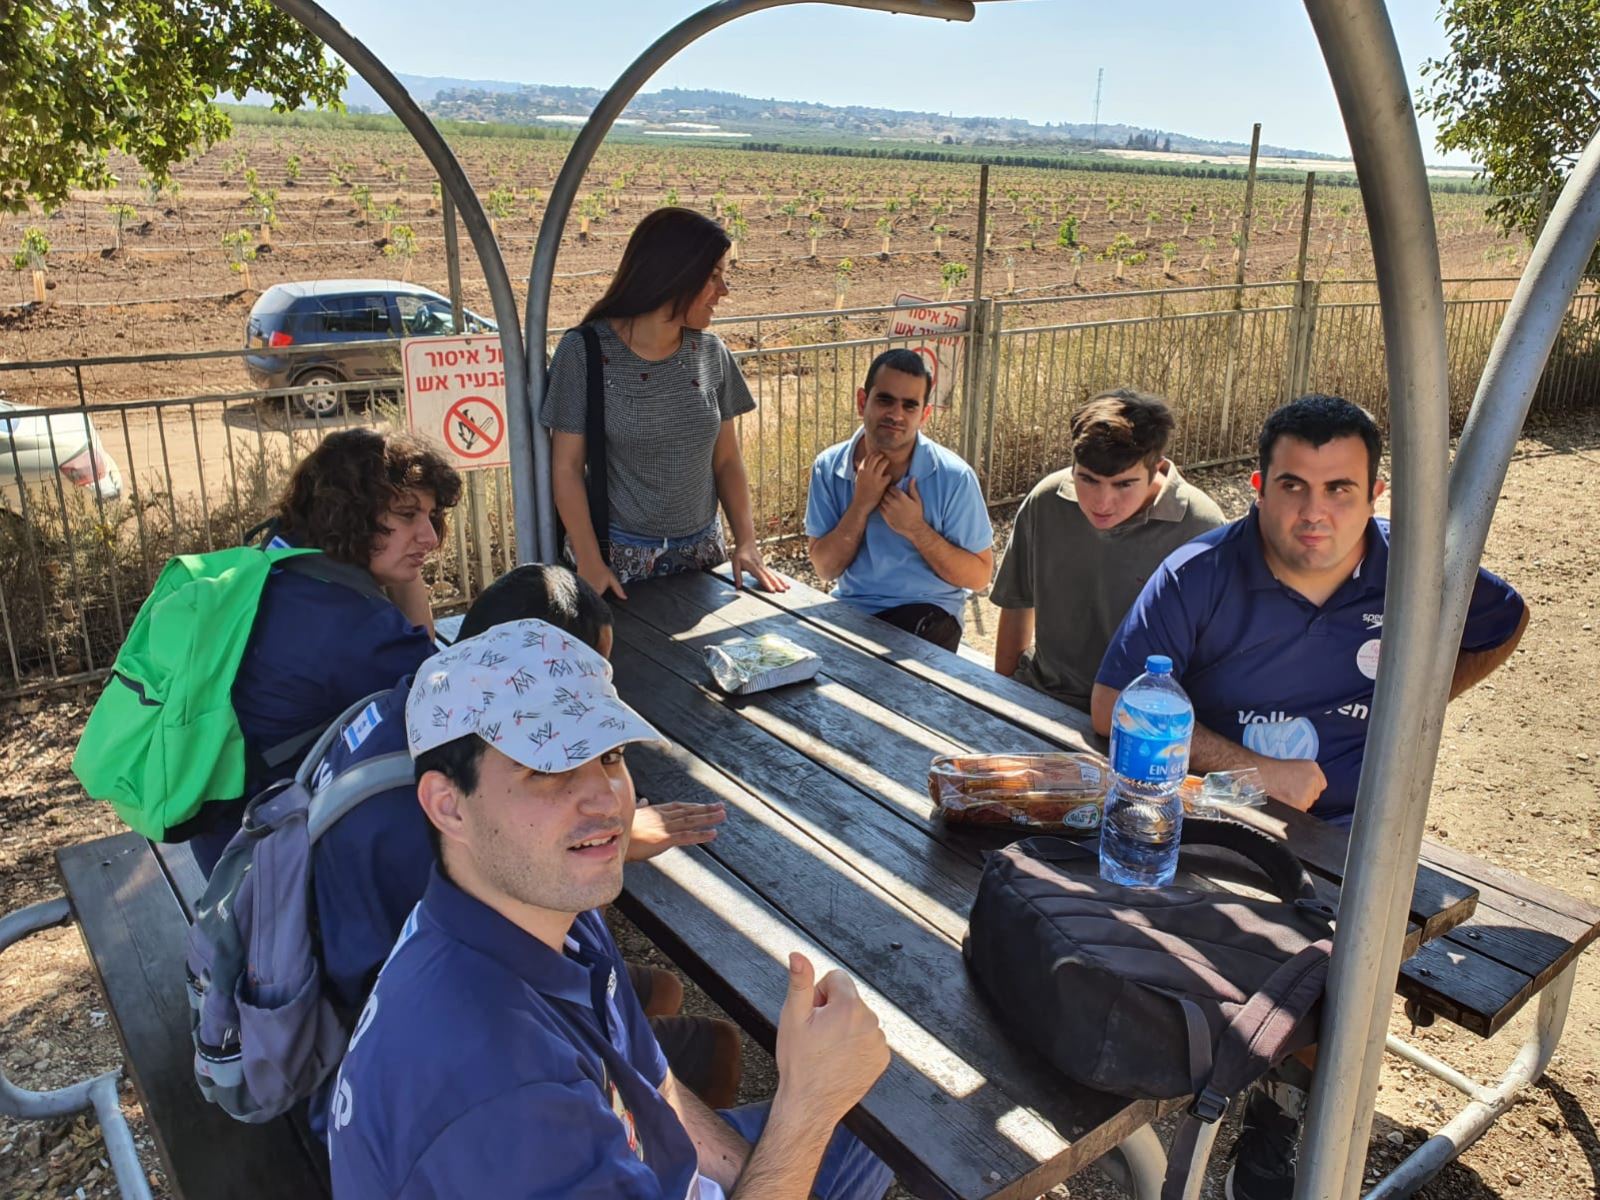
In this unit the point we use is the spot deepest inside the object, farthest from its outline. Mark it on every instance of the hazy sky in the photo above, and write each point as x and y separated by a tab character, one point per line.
1169	65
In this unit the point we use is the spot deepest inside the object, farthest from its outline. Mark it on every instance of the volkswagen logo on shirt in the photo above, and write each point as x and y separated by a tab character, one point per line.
1274	735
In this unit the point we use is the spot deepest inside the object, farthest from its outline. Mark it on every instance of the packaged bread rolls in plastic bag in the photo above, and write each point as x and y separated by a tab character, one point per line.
1037	791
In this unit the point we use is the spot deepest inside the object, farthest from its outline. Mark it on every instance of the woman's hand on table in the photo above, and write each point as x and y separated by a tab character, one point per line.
748	558
599	575
658	827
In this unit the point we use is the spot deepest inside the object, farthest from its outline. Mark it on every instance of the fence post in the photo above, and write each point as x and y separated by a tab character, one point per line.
477	499
1236	324
973	397
994	318
1299	345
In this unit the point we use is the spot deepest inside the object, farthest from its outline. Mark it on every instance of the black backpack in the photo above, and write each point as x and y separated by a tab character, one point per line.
1152	993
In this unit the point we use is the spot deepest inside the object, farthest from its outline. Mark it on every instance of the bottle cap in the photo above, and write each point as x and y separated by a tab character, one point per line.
1158	664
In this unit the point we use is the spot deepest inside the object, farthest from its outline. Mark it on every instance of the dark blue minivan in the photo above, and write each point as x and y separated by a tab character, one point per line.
356	323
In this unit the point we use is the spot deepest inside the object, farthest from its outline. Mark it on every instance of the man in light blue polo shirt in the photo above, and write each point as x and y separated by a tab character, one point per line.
894	517
503	1052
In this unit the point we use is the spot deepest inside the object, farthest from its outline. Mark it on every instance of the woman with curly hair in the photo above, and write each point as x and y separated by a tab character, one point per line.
672	392
334	627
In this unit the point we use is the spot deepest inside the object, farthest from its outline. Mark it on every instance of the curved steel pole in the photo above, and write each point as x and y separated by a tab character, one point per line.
1408	705
524	496
565	190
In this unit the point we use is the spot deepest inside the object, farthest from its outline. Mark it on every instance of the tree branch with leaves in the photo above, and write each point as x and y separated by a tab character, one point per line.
82	78
1517	91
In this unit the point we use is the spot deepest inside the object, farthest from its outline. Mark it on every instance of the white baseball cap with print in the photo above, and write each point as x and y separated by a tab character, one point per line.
532	691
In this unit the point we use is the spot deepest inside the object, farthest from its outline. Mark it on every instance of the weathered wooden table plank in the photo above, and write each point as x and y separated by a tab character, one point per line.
944	1128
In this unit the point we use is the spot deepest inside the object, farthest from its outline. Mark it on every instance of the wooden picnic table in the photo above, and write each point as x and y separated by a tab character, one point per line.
831	848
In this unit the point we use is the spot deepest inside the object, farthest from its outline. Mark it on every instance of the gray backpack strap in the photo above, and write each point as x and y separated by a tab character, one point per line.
362	782
331	570
289	749
319	748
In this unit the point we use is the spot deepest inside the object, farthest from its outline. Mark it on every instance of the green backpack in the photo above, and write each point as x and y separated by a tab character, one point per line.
163	738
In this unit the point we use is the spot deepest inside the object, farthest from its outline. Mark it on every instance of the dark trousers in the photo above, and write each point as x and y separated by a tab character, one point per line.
928	621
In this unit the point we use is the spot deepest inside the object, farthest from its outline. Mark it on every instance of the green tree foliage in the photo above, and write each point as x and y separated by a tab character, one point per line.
1519	90
81	78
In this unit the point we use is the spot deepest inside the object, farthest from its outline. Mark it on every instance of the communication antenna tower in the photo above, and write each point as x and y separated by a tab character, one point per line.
1099	82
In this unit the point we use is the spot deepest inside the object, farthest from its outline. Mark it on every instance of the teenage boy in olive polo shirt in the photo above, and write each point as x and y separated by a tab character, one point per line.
1086	539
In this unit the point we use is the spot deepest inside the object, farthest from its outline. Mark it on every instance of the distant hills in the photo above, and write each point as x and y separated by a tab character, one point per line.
712	115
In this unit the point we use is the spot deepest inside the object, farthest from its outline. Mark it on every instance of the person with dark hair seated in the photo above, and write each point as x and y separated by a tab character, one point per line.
1274	625
334	627
1274	622
672	393
503	1052
1085	540
371	866
894	517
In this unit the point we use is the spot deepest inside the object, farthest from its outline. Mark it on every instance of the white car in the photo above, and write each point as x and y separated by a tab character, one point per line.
37	445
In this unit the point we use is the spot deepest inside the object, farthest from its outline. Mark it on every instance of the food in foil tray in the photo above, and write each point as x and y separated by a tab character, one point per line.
1037	791
756	664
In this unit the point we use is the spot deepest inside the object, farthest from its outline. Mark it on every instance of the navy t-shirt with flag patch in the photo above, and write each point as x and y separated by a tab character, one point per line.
487	1064
1268	669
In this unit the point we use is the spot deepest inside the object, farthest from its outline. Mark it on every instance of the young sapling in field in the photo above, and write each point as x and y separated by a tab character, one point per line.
31	256
402	244
951	274
240	253
120	215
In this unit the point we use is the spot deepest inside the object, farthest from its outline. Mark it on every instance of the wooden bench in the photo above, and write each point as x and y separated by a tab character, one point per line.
133	906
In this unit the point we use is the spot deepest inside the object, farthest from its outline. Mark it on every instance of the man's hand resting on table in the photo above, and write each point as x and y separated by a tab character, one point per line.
658	827
1296	781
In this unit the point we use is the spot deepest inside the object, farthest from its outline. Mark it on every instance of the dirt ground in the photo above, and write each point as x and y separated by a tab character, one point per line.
1538	813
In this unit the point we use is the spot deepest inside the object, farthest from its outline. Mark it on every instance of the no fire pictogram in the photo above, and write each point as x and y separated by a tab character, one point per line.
474	427
456	398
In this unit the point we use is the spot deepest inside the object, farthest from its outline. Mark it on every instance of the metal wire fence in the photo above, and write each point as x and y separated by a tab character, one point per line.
109	466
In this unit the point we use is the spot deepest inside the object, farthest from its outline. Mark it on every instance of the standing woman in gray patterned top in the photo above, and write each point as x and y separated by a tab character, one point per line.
672	392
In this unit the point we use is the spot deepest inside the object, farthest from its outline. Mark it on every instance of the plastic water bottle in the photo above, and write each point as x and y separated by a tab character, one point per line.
1151	727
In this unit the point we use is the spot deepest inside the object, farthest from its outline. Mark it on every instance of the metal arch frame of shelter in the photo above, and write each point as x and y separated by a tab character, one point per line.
525	448
1441	516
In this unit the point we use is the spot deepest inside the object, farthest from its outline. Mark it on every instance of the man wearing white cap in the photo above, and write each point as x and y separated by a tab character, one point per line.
503	1052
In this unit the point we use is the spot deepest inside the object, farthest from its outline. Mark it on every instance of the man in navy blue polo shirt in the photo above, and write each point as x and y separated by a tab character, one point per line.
371	866
503	1052
896	518
1274	625
1274	622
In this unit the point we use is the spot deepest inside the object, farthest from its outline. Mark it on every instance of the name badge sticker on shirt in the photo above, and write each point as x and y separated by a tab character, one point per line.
1367	657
